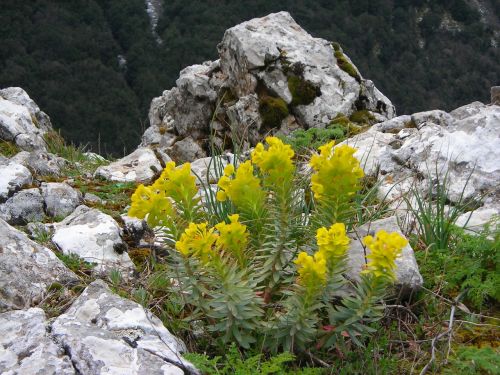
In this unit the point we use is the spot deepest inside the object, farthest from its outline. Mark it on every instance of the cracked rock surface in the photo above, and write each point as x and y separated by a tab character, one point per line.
106	334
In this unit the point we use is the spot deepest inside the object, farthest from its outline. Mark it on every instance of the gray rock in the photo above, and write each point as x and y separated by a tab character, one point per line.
13	176
60	199
37	230
245	119
42	163
18	120
95	237
26	270
104	333
195	80
23	207
139	166
408	277
89	198
186	150
26	348
210	169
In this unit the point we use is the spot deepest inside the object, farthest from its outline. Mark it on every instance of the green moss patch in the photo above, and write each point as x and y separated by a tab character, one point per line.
363	116
272	111
346	66
303	92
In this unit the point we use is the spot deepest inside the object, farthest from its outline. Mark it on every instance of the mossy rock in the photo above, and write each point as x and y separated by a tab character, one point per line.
303	92
139	256
346	66
272	111
336	46
363	116
342	120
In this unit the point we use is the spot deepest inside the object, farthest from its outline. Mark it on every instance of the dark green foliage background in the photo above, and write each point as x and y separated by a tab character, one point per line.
64	53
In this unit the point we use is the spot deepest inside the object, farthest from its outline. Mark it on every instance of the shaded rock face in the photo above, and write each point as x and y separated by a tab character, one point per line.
24	207
416	150
104	333
21	121
95	237
269	57
26	348
26	269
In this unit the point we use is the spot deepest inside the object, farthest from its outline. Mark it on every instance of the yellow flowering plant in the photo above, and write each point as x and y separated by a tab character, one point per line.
262	261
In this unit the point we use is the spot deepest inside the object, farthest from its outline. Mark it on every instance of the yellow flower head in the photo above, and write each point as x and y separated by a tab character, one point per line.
197	241
275	162
233	237
243	188
150	202
177	182
384	249
312	269
332	243
337	173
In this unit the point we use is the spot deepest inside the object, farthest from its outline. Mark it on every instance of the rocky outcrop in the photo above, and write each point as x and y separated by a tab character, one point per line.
271	73
41	163
24	207
26	347
27	269
21	121
415	151
104	333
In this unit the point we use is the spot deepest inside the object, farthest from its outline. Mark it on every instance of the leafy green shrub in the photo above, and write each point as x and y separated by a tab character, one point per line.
303	92
302	140
272	111
472	360
469	263
250	273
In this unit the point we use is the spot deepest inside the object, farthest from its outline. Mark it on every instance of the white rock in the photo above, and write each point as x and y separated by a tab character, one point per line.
105	333
95	237
13	176
26	348
26	269
140	166
42	163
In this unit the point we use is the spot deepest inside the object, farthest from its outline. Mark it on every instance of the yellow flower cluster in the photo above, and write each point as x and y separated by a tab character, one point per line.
275	162
233	236
197	241
312	269
177	182
337	173
154	202
332	243
150	202
243	189
384	249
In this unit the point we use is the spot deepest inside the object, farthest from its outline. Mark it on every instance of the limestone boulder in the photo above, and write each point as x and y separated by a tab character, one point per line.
140	166
26	347
27	269
94	237
41	163
104	333
13	177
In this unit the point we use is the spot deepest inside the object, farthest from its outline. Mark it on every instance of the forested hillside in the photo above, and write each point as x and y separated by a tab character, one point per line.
94	65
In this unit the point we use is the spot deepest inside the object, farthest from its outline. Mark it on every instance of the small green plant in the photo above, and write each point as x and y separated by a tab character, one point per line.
115	277
234	363
76	264
470	263
272	111
310	139
57	145
249	272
